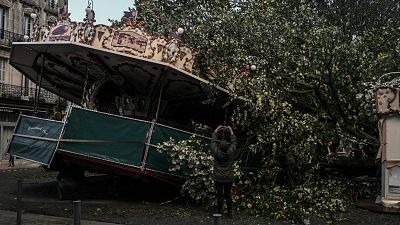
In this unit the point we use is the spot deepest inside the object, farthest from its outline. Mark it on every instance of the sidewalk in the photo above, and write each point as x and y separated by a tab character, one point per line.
10	217
19	164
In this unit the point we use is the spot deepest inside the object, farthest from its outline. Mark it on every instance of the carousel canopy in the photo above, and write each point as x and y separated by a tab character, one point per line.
63	67
67	67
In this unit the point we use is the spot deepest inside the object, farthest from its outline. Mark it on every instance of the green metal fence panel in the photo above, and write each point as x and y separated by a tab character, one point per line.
36	144
160	161
105	137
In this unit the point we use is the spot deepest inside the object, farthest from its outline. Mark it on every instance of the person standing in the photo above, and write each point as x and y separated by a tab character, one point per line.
223	147
11	161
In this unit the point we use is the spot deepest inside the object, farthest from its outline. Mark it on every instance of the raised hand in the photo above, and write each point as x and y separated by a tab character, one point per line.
219	128
229	129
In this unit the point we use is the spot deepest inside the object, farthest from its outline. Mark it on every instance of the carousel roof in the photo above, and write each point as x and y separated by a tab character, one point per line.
63	66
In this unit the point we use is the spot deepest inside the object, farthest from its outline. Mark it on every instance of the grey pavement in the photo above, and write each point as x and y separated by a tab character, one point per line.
18	164
10	217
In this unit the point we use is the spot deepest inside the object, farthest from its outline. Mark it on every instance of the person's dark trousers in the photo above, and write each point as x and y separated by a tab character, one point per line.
11	161
223	192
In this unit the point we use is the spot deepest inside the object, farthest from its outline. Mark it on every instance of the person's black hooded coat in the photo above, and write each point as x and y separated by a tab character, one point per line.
223	153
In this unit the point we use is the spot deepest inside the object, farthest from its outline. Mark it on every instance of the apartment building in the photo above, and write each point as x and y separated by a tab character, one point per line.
18	19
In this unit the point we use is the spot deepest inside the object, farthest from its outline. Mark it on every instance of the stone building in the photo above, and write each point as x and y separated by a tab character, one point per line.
17	94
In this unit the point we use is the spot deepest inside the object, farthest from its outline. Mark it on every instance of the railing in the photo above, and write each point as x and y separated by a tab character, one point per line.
29	2
52	7
24	93
7	37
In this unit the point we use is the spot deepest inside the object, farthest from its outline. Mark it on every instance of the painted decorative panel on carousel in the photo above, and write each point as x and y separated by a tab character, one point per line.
130	38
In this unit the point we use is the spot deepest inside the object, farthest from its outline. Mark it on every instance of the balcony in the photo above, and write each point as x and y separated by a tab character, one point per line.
7	37
14	92
29	2
52	8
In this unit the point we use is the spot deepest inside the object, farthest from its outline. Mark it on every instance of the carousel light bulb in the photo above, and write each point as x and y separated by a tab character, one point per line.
26	37
253	67
180	30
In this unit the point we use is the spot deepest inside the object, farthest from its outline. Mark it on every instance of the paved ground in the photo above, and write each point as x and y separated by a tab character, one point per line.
140	204
10	217
18	164
99	205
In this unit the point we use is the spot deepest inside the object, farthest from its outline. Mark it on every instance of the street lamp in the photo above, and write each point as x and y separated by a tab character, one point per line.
35	13
33	16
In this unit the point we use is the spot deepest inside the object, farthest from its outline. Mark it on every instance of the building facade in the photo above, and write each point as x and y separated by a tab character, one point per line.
17	93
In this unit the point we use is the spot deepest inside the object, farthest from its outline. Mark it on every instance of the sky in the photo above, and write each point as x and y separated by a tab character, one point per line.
104	9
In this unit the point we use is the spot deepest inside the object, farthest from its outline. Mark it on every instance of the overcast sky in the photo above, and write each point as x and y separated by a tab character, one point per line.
104	9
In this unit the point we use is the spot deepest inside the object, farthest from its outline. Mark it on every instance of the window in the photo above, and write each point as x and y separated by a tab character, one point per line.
27	25
3	63
3	12
51	4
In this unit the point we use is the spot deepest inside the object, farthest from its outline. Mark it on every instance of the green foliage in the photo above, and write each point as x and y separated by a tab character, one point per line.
303	54
324	198
315	197
312	58
193	157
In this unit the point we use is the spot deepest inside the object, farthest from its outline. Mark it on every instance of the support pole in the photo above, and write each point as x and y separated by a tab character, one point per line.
217	219
37	91
84	88
77	212
149	135
19	202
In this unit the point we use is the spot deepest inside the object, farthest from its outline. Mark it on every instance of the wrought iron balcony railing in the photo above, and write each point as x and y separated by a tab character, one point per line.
7	37
29	2
27	94
52	8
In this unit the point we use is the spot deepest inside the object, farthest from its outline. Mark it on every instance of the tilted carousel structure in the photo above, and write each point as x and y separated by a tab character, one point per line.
129	90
